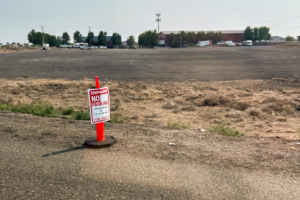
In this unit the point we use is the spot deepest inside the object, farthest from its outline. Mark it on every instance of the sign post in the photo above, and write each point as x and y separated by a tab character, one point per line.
100	112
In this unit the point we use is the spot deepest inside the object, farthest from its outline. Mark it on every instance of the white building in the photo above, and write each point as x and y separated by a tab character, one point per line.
277	39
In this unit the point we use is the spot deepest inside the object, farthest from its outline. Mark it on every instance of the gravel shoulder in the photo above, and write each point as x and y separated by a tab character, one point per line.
49	161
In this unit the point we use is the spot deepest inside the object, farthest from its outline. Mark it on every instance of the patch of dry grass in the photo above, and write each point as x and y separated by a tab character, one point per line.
253	111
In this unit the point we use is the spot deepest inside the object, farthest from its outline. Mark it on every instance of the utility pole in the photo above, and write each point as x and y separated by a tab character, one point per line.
158	19
90	34
43	34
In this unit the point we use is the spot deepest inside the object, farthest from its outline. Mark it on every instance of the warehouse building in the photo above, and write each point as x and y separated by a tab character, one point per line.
277	39
232	35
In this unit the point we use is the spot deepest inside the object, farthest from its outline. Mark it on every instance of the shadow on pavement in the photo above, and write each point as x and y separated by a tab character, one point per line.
63	151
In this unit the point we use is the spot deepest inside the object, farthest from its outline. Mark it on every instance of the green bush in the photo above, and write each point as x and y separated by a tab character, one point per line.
25	76
42	108
179	124
224	130
68	111
117	119
81	115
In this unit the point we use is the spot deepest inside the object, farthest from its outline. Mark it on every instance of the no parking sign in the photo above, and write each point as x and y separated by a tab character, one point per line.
99	105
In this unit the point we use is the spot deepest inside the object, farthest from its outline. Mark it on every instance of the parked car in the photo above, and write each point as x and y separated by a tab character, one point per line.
64	46
102	47
220	43
185	45
231	44
86	47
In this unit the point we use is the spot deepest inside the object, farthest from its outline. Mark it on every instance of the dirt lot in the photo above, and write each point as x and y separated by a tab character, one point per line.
160	64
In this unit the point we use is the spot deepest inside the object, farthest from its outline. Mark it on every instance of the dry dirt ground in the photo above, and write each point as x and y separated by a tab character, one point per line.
160	64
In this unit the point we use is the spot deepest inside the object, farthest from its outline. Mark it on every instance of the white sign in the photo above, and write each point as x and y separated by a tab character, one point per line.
99	105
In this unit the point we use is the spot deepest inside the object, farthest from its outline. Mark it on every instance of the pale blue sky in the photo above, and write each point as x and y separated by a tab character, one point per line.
132	17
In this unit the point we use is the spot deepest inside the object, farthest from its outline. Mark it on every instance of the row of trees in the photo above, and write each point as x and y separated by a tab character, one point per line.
193	38
261	33
36	38
116	38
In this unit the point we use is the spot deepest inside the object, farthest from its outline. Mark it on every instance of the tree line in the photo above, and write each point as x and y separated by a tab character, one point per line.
150	38
261	33
36	38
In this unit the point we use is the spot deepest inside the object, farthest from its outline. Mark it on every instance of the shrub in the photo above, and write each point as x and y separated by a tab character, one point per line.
179	124
117	119
241	106
224	130
81	115
253	111
68	111
25	76
211	101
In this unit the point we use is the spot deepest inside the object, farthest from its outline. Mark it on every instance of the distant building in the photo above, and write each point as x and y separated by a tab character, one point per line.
235	35
109	43
277	39
298	38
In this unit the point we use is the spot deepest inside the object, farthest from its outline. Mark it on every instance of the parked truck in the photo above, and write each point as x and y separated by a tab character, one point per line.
204	43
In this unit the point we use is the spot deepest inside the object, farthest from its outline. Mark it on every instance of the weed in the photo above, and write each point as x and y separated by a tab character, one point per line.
42	108
81	115
237	114
179	124
170	105
117	119
224	130
25	76
68	111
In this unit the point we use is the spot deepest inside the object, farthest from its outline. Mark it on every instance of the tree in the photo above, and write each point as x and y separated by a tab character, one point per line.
102	38
90	38
256	34
77	37
58	41
148	38
51	40
116	39
264	33
31	35
248	33
65	38
289	38
130	41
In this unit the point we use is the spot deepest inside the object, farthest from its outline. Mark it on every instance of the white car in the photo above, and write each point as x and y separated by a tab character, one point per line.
64	46
86	47
231	44
102	47
220	43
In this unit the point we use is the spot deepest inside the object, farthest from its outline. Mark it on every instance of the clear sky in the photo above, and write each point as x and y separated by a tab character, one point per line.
132	17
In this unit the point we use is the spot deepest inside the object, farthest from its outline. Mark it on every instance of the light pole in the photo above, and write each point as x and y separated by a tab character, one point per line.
158	19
